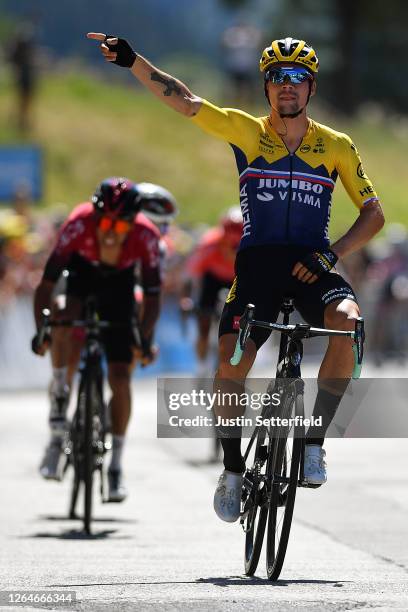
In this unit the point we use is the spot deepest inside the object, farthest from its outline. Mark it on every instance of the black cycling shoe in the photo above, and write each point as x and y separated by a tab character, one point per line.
117	490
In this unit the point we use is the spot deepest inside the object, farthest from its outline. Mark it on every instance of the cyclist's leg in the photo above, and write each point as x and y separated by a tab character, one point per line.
59	308
51	466
64	346
204	326
329	303
116	303
119	378
210	287
119	354
259	283
252	285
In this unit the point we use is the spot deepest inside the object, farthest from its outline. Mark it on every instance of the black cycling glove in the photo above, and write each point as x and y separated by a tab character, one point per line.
147	345
125	54
320	262
35	342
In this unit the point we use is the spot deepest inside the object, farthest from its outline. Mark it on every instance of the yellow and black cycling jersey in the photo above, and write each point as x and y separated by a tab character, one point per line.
286	197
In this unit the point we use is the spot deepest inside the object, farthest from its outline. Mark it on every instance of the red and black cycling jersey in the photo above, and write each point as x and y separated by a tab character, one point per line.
77	237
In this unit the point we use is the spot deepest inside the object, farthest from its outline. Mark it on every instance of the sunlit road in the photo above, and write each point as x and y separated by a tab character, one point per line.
165	549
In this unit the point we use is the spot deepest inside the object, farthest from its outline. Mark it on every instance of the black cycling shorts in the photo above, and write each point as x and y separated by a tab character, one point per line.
114	293
264	278
209	290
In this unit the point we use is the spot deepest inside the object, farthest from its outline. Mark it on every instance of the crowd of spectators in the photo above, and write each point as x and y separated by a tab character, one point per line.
379	272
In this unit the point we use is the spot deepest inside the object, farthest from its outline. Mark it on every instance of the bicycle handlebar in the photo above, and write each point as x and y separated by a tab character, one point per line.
44	329
300	330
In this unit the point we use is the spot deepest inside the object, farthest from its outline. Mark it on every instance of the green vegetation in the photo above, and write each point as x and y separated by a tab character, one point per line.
90	129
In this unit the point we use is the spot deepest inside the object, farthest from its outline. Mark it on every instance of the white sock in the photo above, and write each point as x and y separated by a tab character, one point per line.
117	449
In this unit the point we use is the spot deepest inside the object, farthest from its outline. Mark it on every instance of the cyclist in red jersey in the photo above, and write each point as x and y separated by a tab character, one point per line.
211	267
102	245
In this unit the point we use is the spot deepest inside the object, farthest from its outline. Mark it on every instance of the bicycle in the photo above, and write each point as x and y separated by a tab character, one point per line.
86	442
270	484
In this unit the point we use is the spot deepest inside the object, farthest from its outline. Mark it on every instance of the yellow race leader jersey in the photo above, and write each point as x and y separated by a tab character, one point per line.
286	197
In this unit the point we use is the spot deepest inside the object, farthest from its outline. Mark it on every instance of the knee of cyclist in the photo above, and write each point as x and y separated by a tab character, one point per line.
61	334
226	370
119	379
344	321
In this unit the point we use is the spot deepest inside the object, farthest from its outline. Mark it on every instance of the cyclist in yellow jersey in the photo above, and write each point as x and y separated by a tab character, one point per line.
288	165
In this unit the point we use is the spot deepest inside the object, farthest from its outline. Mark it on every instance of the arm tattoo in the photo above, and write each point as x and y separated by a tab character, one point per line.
170	84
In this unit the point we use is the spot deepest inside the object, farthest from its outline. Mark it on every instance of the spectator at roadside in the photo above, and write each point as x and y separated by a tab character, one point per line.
22	55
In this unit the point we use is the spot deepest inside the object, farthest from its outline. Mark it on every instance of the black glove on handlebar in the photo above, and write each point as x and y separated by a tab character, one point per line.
125	55
35	342
320	262
146	347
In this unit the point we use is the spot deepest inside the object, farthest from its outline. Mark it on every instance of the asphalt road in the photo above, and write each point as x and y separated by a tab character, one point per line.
165	549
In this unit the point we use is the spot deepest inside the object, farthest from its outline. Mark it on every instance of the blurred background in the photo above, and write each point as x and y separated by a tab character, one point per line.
68	121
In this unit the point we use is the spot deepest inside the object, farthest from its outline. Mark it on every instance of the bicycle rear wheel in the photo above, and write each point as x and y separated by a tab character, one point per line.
284	474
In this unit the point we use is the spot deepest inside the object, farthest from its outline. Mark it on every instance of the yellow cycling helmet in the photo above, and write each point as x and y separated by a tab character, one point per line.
290	51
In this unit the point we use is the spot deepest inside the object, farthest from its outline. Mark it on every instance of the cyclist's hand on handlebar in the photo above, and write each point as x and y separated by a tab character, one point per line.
40	349
150	355
314	265
146	355
115	50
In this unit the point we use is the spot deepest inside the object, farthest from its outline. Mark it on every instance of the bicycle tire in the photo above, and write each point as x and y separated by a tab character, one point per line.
257	518
281	496
74	496
88	454
75	457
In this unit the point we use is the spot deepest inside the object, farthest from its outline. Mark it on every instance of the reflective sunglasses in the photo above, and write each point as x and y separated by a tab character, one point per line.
119	226
293	75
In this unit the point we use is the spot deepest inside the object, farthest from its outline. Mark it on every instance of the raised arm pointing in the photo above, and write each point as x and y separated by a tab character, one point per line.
170	90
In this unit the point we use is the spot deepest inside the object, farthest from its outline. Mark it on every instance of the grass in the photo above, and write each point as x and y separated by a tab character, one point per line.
90	129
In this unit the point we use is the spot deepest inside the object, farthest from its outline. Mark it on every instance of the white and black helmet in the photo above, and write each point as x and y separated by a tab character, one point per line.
158	204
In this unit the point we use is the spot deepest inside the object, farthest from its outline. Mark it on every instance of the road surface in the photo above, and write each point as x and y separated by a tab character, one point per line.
165	549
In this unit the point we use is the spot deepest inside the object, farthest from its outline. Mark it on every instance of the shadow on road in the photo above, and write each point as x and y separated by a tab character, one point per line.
77	534
221	582
101	519
254	580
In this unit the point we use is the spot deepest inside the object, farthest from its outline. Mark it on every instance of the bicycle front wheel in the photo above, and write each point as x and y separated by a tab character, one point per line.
254	522
88	456
285	465
92	407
